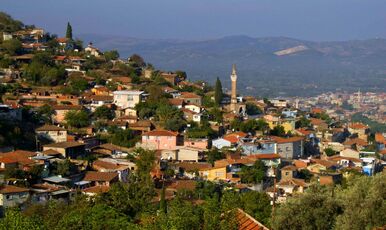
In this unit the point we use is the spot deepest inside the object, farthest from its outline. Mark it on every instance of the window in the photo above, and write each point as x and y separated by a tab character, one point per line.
130	98
219	174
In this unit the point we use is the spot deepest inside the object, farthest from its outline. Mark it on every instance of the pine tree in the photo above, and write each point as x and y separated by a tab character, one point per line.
218	94
69	31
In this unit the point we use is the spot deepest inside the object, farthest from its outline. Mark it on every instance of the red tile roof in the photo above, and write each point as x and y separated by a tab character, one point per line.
247	222
358	126
100	176
50	128
234	137
379	138
280	140
161	133
5	189
264	156
97	189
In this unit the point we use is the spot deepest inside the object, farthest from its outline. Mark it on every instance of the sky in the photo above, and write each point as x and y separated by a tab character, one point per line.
317	20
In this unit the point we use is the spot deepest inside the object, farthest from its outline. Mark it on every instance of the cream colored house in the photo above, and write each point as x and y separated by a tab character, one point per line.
127	100
52	133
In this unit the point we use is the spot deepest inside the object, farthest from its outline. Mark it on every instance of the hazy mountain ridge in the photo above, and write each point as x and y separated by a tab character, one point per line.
323	66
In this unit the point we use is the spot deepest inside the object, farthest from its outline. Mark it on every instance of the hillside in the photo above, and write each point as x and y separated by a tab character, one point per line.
306	68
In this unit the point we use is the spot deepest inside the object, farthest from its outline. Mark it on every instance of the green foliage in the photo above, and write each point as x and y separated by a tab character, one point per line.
253	174
303	122
374	126
14	220
77	119
77	85
216	115
252	109
278	131
249	126
137	60
218	94
355	206
45	113
104	112
305	174
111	55
200	131
121	137
12	47
69	31
329	152
8	24
65	168
214	155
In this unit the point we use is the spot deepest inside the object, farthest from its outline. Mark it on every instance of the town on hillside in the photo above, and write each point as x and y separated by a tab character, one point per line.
147	145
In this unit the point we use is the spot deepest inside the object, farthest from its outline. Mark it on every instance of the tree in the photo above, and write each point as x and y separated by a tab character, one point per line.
214	155
104	112
163	205
14	220
329	152
45	113
315	209
253	174
8	24
258	205
278	131
69	31
252	109
303	122
12	47
218	94
137	60
111	55
77	119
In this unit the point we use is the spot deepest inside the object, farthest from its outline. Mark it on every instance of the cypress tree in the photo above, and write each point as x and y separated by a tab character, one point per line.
218	94
69	31
163	205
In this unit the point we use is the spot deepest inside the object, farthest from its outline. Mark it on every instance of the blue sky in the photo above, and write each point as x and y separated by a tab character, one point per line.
318	20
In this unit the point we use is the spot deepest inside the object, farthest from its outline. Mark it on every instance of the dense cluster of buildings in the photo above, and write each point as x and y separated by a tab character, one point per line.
324	151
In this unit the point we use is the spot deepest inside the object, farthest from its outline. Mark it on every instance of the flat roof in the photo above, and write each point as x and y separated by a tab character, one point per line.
56	179
128	92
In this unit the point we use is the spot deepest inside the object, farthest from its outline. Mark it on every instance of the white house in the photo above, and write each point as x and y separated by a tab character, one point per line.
221	143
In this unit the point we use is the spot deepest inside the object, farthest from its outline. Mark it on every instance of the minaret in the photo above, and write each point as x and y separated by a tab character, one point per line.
234	89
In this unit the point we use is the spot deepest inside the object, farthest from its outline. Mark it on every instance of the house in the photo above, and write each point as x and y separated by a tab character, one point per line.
346	162
216	173
191	98
251	146
291	186
110	150
319	166
18	159
100	100
330	178
289	148
161	139
192	169
201	143
95	190
111	166
360	129
229	140
287	123
68	149
61	110
12	196
127	100
247	222
349	153
142	126
289	172
356	143
51	133
100	90
271	160
189	115
189	154
101	178
221	143
177	102
92	50
172	78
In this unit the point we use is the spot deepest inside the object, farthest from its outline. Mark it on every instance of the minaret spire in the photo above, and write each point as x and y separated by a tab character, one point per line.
234	88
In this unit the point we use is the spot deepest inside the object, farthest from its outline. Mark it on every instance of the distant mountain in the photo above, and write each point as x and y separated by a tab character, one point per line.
272	66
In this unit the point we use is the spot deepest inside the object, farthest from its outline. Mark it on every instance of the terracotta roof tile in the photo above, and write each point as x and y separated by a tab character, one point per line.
100	176
47	127
161	133
5	189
